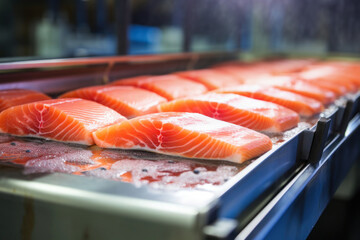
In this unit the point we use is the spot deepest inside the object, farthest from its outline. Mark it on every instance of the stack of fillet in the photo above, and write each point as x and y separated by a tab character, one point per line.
220	113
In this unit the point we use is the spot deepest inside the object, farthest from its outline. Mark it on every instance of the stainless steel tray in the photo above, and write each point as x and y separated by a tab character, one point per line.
293	212
167	210
159	212
63	206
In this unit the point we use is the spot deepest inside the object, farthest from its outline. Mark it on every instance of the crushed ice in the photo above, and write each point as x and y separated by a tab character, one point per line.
137	167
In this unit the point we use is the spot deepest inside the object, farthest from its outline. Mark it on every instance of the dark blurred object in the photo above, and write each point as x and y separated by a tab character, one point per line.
122	19
341	218
6	29
344	34
54	29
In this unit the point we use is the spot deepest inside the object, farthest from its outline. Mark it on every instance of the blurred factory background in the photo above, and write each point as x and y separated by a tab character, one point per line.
40	29
78	28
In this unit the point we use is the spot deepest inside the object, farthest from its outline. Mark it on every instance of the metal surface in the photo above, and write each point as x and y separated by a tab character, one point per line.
256	180
318	143
282	184
85	202
295	210
327	142
56	76
188	210
91	205
139	59
191	210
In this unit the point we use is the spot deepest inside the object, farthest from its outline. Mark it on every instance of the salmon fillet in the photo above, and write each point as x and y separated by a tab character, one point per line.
247	112
168	86
185	134
130	79
14	97
212	79
66	120
338	89
126	100
308	90
302	105
241	73
292	84
329	75
282	66
350	71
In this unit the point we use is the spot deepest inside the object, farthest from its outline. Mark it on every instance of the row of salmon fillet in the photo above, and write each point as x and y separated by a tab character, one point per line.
221	113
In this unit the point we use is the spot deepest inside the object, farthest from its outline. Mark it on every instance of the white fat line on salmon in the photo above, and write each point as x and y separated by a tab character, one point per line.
30	129
64	100
197	144
209	148
187	143
16	126
105	89
159	136
67	126
216	113
96	95
143	125
29	121
221	145
71	132
41	120
136	137
54	121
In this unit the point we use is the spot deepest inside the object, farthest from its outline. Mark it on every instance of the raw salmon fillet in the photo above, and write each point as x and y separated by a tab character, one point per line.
185	134
126	100
302	105
349	71
244	70
168	86
292	84
66	120
14	97
241	73
247	112
273	66
308	90
130	79
282	66
338	89
212	79
325	75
